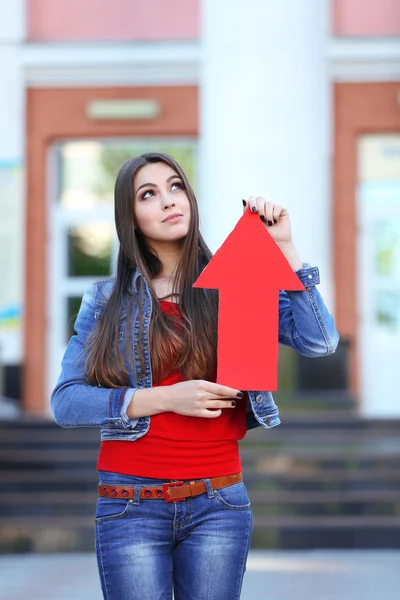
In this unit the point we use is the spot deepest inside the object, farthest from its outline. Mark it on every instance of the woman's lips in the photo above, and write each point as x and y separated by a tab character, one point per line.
173	219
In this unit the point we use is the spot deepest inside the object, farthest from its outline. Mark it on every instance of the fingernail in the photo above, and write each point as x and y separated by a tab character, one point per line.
253	209
233	403
270	223
239	395
262	218
244	202
275	221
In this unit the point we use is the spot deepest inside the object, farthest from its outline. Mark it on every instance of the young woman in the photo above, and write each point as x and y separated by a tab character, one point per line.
173	512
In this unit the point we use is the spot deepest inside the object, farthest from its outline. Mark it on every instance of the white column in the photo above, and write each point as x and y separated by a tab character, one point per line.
12	133
265	119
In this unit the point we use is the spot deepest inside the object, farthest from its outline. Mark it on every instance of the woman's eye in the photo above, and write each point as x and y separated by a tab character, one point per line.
147	194
177	185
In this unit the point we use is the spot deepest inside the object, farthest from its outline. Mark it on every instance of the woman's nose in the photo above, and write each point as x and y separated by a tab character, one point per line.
167	201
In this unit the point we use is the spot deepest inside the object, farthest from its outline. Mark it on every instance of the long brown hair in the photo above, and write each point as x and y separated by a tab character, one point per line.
191	348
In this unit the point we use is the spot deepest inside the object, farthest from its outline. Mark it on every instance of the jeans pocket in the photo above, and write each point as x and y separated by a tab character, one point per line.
109	509
234	497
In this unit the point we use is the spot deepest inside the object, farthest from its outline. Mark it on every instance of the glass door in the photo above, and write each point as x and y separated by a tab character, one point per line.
379	275
82	242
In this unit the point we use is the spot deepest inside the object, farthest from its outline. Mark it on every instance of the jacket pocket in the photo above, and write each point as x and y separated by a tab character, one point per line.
98	315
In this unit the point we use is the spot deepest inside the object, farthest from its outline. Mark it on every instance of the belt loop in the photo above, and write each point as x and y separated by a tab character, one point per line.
136	494
209	488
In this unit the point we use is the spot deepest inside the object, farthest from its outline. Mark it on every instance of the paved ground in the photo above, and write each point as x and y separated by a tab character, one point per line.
314	575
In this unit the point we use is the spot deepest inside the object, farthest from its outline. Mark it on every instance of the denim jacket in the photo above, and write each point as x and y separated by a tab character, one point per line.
305	324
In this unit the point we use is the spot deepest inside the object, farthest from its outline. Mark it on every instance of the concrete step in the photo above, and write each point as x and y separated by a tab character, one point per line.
280	503
307	452
281	435
76	533
322	479
261	497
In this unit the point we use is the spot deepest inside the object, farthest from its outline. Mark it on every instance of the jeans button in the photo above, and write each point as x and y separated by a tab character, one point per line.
258	398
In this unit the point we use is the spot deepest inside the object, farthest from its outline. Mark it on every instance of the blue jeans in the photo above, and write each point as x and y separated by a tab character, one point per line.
196	548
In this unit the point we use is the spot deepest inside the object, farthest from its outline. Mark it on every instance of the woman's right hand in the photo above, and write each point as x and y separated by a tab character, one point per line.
199	398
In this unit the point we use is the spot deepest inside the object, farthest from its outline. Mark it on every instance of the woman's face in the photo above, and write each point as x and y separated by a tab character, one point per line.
161	206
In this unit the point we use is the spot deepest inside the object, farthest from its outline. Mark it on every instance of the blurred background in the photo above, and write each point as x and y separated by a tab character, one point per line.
296	101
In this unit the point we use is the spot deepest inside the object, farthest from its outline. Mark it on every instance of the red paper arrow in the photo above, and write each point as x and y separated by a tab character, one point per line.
248	270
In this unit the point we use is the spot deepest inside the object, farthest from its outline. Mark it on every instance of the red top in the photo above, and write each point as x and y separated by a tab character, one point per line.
177	446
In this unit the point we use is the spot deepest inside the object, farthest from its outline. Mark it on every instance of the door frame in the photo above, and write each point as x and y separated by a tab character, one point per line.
359	108
62	285
61	113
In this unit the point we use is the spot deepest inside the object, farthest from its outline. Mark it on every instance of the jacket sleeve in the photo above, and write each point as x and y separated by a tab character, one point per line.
305	323
75	403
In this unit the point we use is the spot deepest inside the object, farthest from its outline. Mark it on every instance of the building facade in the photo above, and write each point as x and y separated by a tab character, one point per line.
298	102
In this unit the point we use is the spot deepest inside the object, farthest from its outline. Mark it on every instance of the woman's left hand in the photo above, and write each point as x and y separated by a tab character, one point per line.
275	218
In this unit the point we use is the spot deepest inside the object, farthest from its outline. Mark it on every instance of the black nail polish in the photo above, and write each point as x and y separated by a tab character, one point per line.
253	209
244	202
275	221
270	223
233	403
262	218
239	395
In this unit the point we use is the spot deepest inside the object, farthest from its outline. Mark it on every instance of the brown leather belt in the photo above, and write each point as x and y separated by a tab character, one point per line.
170	492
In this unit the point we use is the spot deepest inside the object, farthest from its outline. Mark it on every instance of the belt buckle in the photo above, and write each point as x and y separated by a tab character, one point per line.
166	487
